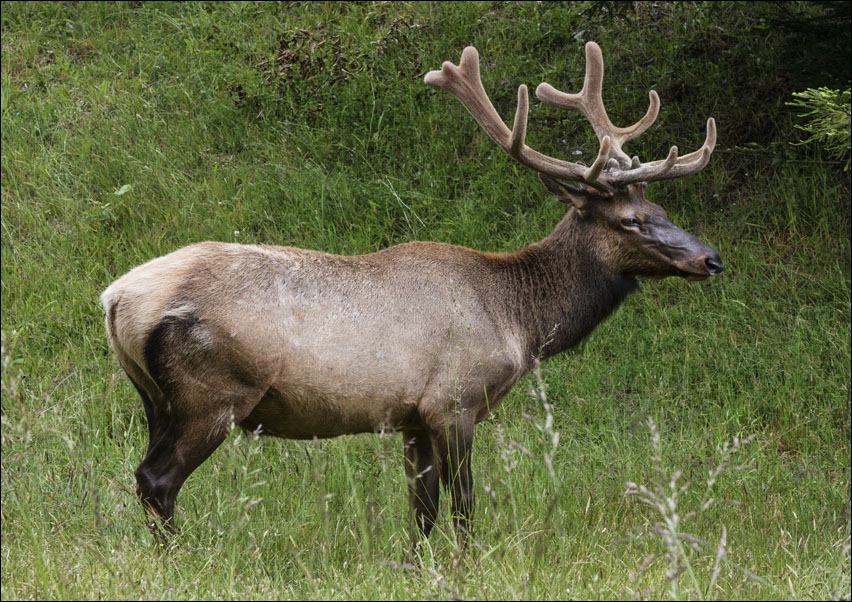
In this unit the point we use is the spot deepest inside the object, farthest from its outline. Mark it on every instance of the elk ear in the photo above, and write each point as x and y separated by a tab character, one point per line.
578	196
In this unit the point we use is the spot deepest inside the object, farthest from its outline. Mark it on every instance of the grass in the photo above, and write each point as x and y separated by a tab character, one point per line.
131	129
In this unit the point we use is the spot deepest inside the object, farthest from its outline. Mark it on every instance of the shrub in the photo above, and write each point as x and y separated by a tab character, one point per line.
827	113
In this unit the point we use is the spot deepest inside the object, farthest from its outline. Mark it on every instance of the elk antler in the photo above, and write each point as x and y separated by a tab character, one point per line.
612	168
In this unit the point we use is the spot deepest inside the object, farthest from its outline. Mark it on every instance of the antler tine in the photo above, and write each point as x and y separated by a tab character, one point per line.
589	102
464	82
612	168
672	166
696	160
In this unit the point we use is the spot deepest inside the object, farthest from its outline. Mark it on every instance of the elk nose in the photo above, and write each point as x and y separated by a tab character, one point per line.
714	265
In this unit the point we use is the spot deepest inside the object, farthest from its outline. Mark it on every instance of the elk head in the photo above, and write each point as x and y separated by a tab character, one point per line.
635	236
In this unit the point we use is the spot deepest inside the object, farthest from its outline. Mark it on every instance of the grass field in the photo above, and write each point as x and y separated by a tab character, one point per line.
696	445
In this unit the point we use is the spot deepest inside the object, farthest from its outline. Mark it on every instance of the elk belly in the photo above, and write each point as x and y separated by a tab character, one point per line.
306	412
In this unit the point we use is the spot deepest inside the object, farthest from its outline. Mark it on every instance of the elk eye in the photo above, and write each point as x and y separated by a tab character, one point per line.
631	222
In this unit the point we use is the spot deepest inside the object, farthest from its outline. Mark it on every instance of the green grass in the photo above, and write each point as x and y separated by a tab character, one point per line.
131	129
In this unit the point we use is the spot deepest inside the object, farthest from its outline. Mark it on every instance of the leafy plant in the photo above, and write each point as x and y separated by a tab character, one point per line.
828	120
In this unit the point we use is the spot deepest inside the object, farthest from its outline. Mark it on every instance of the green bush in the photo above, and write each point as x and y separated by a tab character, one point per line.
828	115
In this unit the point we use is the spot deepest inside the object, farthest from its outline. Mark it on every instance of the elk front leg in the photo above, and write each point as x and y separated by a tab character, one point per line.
423	483
459	476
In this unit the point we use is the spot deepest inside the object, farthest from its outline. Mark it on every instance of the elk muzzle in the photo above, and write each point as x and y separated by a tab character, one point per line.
663	249
693	259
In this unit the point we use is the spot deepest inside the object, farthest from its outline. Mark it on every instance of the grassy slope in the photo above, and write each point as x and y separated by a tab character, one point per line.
132	129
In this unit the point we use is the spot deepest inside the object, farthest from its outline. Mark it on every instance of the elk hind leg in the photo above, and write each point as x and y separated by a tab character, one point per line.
188	436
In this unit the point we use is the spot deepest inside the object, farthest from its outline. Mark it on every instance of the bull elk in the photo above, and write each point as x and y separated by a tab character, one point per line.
423	338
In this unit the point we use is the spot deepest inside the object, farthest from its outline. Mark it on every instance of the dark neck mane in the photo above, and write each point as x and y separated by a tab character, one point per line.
562	290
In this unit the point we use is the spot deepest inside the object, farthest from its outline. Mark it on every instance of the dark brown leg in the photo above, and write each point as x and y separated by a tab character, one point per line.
423	482
460	477
180	441
168	463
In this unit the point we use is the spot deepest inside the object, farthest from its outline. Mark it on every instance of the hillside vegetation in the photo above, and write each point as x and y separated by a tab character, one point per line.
696	445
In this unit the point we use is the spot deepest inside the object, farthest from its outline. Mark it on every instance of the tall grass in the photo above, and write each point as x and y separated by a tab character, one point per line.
131	129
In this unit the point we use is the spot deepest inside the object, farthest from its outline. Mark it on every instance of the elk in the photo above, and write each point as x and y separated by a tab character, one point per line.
421	338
